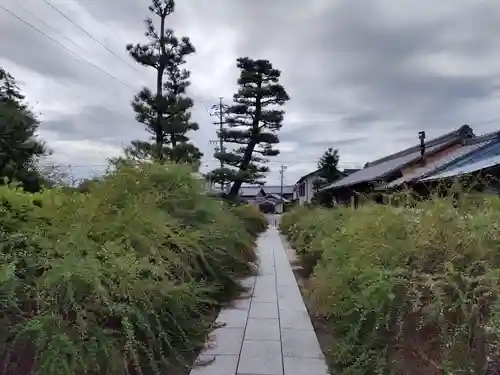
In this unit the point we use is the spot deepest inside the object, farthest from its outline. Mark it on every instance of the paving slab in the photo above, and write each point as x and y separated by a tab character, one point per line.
261	358
269	333
263	330
264	310
225	341
304	366
218	365
232	318
300	344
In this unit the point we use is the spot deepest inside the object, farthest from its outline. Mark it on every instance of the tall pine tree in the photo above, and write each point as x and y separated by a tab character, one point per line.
253	123
166	111
20	149
327	172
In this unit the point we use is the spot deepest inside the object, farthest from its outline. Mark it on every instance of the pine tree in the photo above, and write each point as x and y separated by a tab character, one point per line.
183	152
253	123
328	166
20	150
165	112
327	172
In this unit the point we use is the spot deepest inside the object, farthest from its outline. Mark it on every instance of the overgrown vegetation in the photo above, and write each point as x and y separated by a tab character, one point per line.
121	279
411	289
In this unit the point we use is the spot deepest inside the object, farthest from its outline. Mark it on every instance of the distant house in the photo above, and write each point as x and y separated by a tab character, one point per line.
303	191
396	168
267	197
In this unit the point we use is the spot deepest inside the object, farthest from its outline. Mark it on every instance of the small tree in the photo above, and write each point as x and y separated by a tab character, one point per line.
20	150
327	172
253	123
166	112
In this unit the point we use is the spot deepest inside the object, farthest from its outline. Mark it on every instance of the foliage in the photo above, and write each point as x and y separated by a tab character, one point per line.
166	111
255	221
20	150
328	172
142	151
121	279
407	289
253	123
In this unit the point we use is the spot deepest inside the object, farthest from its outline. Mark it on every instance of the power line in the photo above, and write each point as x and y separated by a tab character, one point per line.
91	36
66	48
283	163
97	18
52	27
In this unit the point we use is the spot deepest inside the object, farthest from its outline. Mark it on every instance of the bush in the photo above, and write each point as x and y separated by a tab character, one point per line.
120	279
306	228
254	220
406	290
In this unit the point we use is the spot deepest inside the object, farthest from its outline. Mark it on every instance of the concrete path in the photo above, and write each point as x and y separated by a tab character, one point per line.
269	333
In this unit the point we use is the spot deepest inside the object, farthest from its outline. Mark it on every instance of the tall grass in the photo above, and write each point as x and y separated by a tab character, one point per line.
405	290
119	280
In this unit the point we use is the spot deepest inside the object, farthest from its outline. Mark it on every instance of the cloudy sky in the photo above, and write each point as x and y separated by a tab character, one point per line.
364	76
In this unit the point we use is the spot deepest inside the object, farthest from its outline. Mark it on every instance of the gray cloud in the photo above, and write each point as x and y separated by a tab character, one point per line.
364	77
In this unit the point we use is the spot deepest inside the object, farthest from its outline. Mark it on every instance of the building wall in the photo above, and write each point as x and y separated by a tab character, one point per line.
308	191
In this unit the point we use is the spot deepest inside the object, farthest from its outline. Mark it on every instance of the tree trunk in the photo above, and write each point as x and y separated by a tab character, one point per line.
247	157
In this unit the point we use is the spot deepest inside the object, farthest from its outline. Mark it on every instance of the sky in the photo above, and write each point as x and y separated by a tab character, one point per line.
364	76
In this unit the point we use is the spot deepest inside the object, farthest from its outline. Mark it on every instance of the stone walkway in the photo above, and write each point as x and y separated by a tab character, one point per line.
269	333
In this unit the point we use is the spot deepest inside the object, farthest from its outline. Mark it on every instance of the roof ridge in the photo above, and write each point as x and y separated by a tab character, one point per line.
482	138
461	131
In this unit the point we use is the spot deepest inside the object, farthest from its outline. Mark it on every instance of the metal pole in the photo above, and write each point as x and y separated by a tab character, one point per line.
221	141
282	175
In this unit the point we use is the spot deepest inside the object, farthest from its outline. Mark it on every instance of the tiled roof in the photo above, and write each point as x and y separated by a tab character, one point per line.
481	158
374	172
313	173
277	197
253	190
248	191
380	168
436	165
350	170
467	168
343	173
276	189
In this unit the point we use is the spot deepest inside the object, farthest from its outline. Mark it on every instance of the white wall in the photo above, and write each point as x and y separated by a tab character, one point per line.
309	192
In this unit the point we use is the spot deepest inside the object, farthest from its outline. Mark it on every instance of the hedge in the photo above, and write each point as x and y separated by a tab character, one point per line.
405	290
121	279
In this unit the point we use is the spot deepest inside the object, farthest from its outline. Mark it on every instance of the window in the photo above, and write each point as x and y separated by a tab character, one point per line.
302	190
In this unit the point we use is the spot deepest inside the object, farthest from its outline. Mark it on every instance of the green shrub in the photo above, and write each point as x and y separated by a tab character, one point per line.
120	279
255	221
405	290
306	228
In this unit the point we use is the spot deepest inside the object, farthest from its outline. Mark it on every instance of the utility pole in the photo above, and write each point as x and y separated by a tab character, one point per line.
218	110
282	175
221	128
